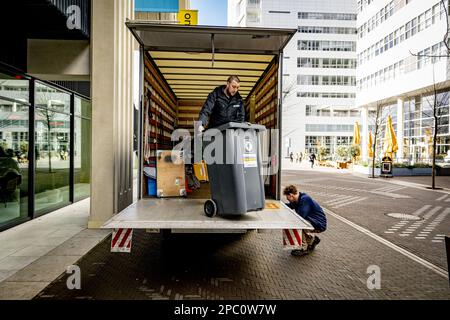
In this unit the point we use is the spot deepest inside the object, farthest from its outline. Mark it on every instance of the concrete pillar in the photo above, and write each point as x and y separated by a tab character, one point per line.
365	132
112	108
400	128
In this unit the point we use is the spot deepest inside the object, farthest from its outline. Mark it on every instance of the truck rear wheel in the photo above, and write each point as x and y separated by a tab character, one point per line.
210	208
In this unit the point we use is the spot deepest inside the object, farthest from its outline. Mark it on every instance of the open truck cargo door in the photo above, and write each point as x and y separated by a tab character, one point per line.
179	38
180	66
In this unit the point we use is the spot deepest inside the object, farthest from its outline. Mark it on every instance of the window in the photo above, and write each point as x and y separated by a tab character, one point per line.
333	95
52	129
329	30
408	30
326	45
82	152
326	16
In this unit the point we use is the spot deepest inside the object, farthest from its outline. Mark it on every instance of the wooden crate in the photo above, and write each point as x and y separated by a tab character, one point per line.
171	180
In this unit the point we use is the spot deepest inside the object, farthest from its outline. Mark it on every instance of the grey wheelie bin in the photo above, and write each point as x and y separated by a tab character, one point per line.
235	176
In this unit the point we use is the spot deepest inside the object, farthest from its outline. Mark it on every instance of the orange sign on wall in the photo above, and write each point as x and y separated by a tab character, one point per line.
188	17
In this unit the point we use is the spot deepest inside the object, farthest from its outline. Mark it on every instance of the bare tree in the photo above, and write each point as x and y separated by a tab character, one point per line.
437	104
48	119
436	101
378	120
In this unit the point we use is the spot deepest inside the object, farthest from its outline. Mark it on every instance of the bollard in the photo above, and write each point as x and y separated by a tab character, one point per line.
447	249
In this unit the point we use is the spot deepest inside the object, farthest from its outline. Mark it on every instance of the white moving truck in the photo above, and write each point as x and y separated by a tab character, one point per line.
180	65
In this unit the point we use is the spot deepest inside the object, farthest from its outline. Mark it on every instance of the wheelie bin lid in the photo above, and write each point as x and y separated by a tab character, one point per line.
241	125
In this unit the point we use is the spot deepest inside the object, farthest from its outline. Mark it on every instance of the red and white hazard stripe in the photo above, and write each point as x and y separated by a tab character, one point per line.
292	238
121	240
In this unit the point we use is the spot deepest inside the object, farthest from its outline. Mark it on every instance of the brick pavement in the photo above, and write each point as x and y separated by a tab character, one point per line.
370	208
250	266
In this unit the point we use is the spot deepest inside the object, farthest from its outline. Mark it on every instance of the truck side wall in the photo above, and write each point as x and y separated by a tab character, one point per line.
188	111
261	108
160	114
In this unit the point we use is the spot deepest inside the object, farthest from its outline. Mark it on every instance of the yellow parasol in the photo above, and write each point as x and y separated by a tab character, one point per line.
369	145
390	140
356	134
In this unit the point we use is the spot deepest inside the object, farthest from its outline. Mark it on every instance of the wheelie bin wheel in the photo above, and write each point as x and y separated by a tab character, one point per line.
210	208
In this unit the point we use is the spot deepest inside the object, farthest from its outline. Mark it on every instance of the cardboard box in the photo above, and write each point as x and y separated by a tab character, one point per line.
201	171
170	174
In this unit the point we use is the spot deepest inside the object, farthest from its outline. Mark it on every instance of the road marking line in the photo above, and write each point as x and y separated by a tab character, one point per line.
432	212
440	217
339	198
420	238
389	189
421	210
425	263
350	202
436	241
331	202
393	189
442	198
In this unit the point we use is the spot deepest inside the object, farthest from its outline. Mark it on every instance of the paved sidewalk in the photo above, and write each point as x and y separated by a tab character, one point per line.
34	253
251	266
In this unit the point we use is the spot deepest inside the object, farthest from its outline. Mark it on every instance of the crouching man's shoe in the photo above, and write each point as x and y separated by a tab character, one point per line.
299	253
313	245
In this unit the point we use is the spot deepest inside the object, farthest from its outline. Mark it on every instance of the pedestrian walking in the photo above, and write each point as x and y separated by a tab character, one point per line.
291	156
310	210
312	158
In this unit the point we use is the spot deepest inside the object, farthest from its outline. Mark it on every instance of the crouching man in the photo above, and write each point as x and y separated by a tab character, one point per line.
309	210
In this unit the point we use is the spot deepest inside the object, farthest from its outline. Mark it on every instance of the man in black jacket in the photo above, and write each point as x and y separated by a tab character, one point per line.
224	104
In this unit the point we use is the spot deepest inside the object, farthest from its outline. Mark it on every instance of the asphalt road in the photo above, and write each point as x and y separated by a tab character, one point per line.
367	202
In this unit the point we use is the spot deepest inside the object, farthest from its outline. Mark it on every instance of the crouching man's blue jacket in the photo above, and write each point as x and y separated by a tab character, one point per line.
310	210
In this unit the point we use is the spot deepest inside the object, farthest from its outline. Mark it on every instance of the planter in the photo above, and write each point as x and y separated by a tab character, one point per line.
411	172
395	171
341	165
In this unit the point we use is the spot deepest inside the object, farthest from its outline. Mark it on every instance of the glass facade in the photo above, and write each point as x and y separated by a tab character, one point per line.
52	148
313	143
82	149
433	15
419	126
50	168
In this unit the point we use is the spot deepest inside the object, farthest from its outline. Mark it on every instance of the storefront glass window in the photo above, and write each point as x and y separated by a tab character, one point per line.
52	148
14	87
13	161
82	149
